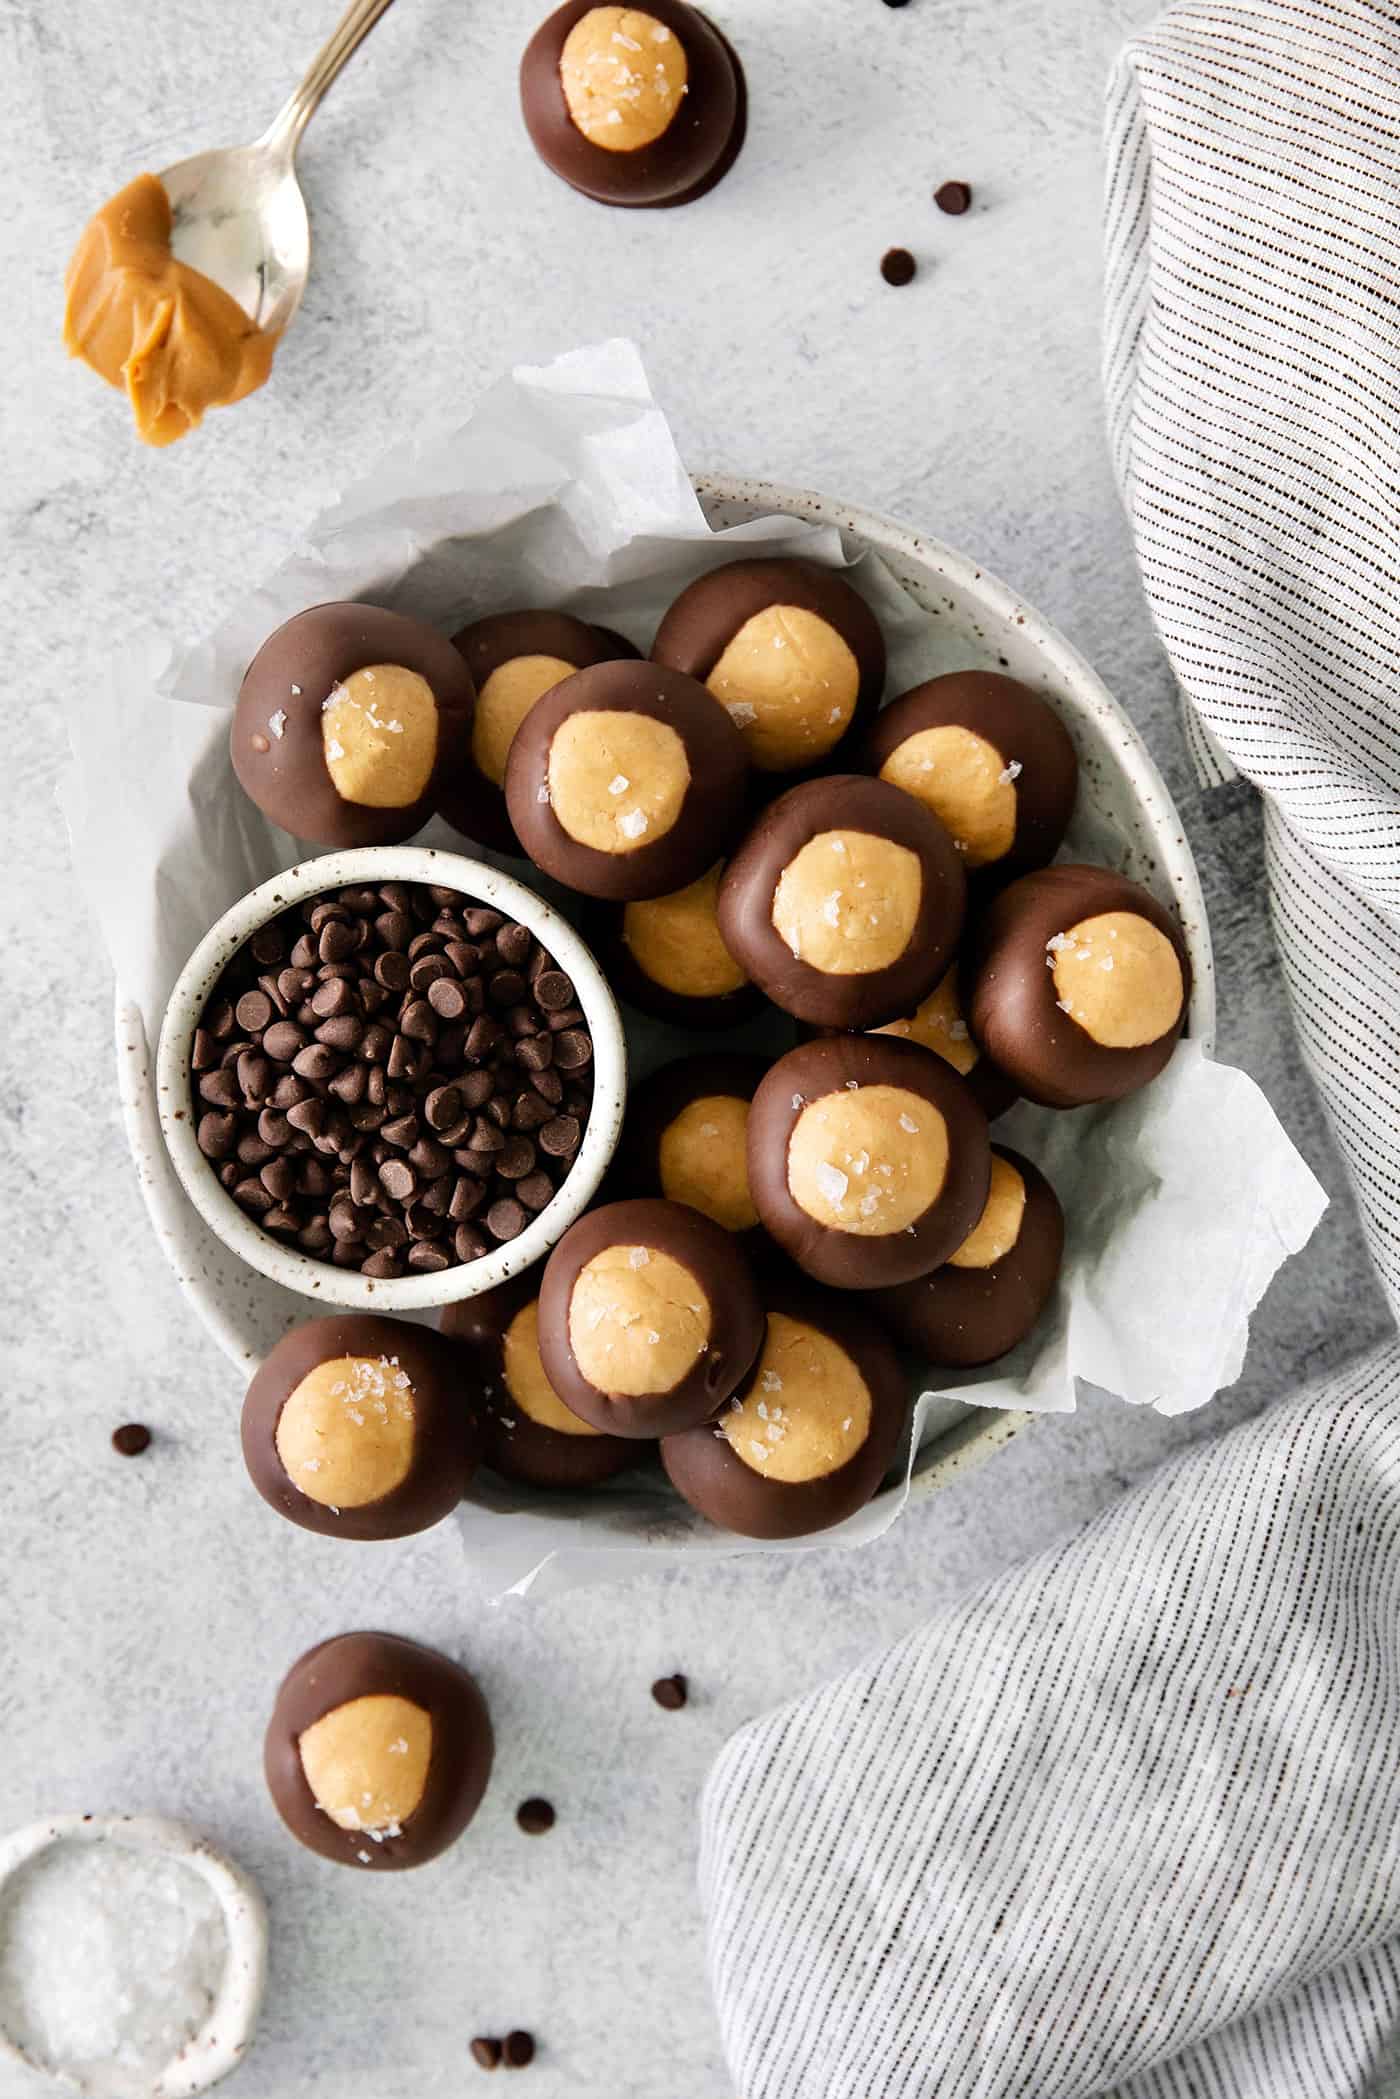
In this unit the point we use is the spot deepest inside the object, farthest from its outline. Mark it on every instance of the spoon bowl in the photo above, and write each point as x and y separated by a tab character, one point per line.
240	218
239	214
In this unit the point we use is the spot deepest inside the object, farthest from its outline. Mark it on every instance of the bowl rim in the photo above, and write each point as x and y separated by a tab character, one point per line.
219	2044
321	1281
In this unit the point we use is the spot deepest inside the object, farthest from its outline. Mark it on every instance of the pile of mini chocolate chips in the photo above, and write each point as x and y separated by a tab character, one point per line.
393	1078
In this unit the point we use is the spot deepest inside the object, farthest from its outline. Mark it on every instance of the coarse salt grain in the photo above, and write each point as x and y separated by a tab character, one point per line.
831	908
637	1257
632	823
111	1958
542	795
335	749
1012	772
831	1181
908	1125
1057	942
277	722
619	784
296	692
741	713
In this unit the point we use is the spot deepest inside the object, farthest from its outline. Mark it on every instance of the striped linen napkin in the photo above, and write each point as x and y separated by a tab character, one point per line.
1127	1820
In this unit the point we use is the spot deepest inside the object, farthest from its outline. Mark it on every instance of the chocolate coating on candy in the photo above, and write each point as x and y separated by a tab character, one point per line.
845	902
1079	982
356	1426
665	955
348	720
686	1136
649	1318
513	658
625	780
530	1435
634	106
791	649
990	758
988	1297
868	1159
818	1425
369	1714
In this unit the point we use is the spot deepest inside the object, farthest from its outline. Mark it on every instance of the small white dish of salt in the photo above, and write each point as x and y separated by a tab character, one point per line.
132	1956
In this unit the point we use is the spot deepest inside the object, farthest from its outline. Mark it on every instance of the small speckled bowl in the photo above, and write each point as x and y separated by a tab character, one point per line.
219	2045
479	884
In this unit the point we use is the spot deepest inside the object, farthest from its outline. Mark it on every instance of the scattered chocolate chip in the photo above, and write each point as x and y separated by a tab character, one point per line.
535	1816
391	1079
670	1692
131	1439
897	266
953	197
486	2052
518	2049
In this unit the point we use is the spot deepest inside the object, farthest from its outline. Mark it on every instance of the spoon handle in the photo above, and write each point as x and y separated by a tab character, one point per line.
284	133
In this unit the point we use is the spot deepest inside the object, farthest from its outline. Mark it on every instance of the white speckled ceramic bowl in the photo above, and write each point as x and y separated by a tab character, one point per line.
321	1280
220	2044
983	624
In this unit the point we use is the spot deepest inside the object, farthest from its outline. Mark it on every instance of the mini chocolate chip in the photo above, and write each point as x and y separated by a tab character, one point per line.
549	1086
330	997
364	1184
283	1039
342	1033
566	1017
216	1134
518	2049
482	1037
251	1195
391	969
553	990
204	1053
572	1050
398	1177
268	945
418	1021
443	1107
535	1816
426	1257
506	1219
528	1111
466	1199
536	1191
671	1692
426	943
308	1116
468	1243
402	1131
349	1085
316	1061
534	1052
426	971
486	2052
336	941
381	1264
515	1159
952	197
274	1129
131	1439
479	921
897	266
506	988
447	998
513	943
486	1135
560	1136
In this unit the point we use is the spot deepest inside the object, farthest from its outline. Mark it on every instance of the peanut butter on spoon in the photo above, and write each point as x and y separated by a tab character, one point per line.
174	341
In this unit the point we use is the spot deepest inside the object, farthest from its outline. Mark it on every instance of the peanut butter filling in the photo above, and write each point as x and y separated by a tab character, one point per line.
623	75
938	1025
790	684
345	1434
675	940
617	780
704	1161
848	902
999	1227
638	1321
1118	978
526	1381
966	782
379	735
366	1762
174	341
503	703
868	1160
807	1409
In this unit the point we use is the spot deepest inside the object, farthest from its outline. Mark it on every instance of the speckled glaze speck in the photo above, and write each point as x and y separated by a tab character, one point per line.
321	1280
988	627
220	2044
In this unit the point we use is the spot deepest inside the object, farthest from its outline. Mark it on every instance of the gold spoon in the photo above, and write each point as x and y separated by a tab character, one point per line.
239	214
